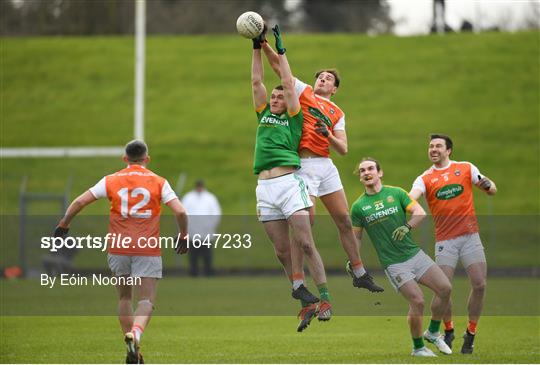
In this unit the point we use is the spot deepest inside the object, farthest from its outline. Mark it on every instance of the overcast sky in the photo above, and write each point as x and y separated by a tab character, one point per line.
414	16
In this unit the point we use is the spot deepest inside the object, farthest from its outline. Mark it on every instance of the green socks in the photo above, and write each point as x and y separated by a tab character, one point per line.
418	343
434	326
323	291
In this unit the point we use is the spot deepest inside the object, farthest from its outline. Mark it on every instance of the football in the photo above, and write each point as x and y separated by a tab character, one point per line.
250	24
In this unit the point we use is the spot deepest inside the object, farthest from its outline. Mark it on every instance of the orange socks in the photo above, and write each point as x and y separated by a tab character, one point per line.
472	327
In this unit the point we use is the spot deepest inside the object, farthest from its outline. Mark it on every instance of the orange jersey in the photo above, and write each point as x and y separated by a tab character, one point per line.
136	194
448	192
316	108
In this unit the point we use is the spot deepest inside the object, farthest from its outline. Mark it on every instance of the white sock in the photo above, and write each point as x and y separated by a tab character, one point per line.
359	271
296	284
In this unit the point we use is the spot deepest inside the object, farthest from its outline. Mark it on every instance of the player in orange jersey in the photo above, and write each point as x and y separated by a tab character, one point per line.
447	188
324	127
136	195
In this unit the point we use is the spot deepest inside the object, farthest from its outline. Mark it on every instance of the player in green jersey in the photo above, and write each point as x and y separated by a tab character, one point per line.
381	211
282	197
324	128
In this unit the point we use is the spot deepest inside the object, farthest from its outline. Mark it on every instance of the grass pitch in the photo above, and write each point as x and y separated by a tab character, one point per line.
272	339
482	89
201	321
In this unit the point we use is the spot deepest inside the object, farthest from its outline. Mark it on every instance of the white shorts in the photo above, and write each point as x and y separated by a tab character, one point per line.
135	266
280	197
321	175
467	248
413	268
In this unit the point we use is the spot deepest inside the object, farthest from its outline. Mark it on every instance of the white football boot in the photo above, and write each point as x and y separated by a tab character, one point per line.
438	341
423	352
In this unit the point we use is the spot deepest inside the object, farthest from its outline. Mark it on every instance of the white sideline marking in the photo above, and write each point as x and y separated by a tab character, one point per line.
18	152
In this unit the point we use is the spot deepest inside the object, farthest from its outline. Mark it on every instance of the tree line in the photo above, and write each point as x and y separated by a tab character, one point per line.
103	17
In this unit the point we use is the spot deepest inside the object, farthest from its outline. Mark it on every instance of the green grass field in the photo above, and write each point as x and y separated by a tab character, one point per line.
482	89
242	320
255	340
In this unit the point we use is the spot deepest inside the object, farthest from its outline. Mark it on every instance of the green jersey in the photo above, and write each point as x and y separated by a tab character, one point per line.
380	215
278	137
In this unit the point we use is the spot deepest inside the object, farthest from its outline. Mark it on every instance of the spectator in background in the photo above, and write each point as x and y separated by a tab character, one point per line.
205	214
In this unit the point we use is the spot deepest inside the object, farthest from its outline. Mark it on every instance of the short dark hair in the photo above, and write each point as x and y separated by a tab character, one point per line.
279	87
447	140
377	164
332	71
199	183
136	150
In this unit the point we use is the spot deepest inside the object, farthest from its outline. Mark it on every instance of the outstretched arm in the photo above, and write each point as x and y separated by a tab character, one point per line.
273	58
486	185
74	208
257	75
287	79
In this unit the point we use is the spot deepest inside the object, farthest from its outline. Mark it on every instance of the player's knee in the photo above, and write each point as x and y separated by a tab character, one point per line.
479	286
307	247
445	291
417	303
283	254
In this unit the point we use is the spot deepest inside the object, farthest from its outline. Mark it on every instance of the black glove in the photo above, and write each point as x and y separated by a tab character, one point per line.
260	39
279	42
484	183
181	245
60	232
321	129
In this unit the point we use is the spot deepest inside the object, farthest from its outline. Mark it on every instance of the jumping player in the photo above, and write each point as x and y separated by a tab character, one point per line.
324	126
282	197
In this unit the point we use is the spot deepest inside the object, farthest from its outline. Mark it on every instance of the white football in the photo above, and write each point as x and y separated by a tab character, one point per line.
250	24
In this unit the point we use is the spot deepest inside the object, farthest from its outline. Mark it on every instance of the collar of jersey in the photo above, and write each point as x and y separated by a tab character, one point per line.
322	97
443	168
382	188
132	166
